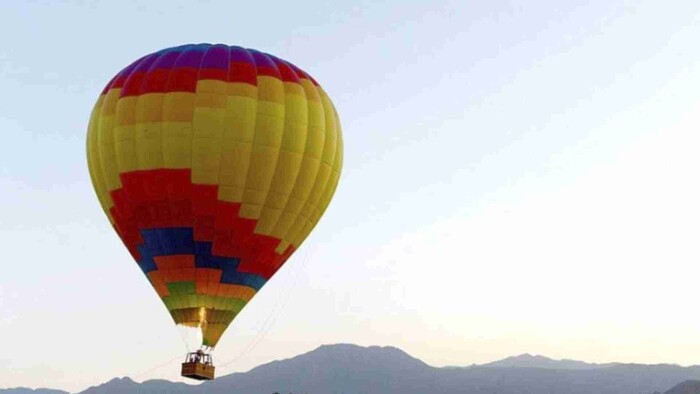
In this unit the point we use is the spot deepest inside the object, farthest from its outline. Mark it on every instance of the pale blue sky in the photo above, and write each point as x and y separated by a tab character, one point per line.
519	177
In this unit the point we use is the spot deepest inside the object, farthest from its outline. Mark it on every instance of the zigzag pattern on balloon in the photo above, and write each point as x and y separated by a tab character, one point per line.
213	164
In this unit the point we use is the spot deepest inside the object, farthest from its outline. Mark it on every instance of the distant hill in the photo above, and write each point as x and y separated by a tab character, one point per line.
687	387
534	361
24	390
128	386
352	369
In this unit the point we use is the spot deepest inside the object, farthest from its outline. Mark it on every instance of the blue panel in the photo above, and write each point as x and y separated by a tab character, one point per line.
180	240
169	241
146	263
231	276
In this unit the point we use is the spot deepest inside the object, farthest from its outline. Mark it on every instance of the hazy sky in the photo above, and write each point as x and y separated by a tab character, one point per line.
519	177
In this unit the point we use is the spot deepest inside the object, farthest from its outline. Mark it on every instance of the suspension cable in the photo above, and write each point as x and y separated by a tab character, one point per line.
272	317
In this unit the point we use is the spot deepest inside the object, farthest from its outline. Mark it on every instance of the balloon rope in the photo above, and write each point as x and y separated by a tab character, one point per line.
271	319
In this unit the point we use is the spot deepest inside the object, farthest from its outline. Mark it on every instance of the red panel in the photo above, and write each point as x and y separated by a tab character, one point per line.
132	86
167	198
182	79
213	73
242	72
268	71
203	228
204	198
155	81
132	186
226	214
287	73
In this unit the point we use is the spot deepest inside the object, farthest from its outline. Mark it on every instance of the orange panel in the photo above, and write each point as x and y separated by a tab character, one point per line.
174	261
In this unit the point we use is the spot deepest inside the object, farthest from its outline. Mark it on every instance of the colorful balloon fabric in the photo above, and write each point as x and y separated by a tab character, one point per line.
213	164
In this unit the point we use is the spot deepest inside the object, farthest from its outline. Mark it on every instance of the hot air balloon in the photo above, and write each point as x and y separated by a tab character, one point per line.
213	163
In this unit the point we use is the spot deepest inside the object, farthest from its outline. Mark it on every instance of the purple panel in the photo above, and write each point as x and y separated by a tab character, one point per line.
216	57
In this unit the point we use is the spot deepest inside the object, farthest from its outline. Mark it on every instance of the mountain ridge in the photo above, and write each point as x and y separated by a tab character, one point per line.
388	370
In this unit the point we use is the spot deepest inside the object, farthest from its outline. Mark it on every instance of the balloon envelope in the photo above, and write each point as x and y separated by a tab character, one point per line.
213	163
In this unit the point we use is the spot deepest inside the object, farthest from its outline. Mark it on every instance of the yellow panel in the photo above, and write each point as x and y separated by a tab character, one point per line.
178	107
177	144
96	109
269	124
124	132
206	145
296	229
149	131
329	150
250	211
239	129
212	86
304	184
285	175
304	223
289	164
313	148
230	193
296	114
149	146
317	130
263	160
208	123
341	149
235	159
149	107
284	179
303	233
332	185
324	174
270	89
267	140
310	89
125	149
282	247
326	197
294	88
242	89
329	191
284	223
110	102
91	144
94	160
239	118
126	111
268	218
105	144
210	100
330	143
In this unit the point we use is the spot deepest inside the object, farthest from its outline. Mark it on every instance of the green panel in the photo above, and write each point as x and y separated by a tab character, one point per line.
181	287
175	302
235	304
168	301
219	303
